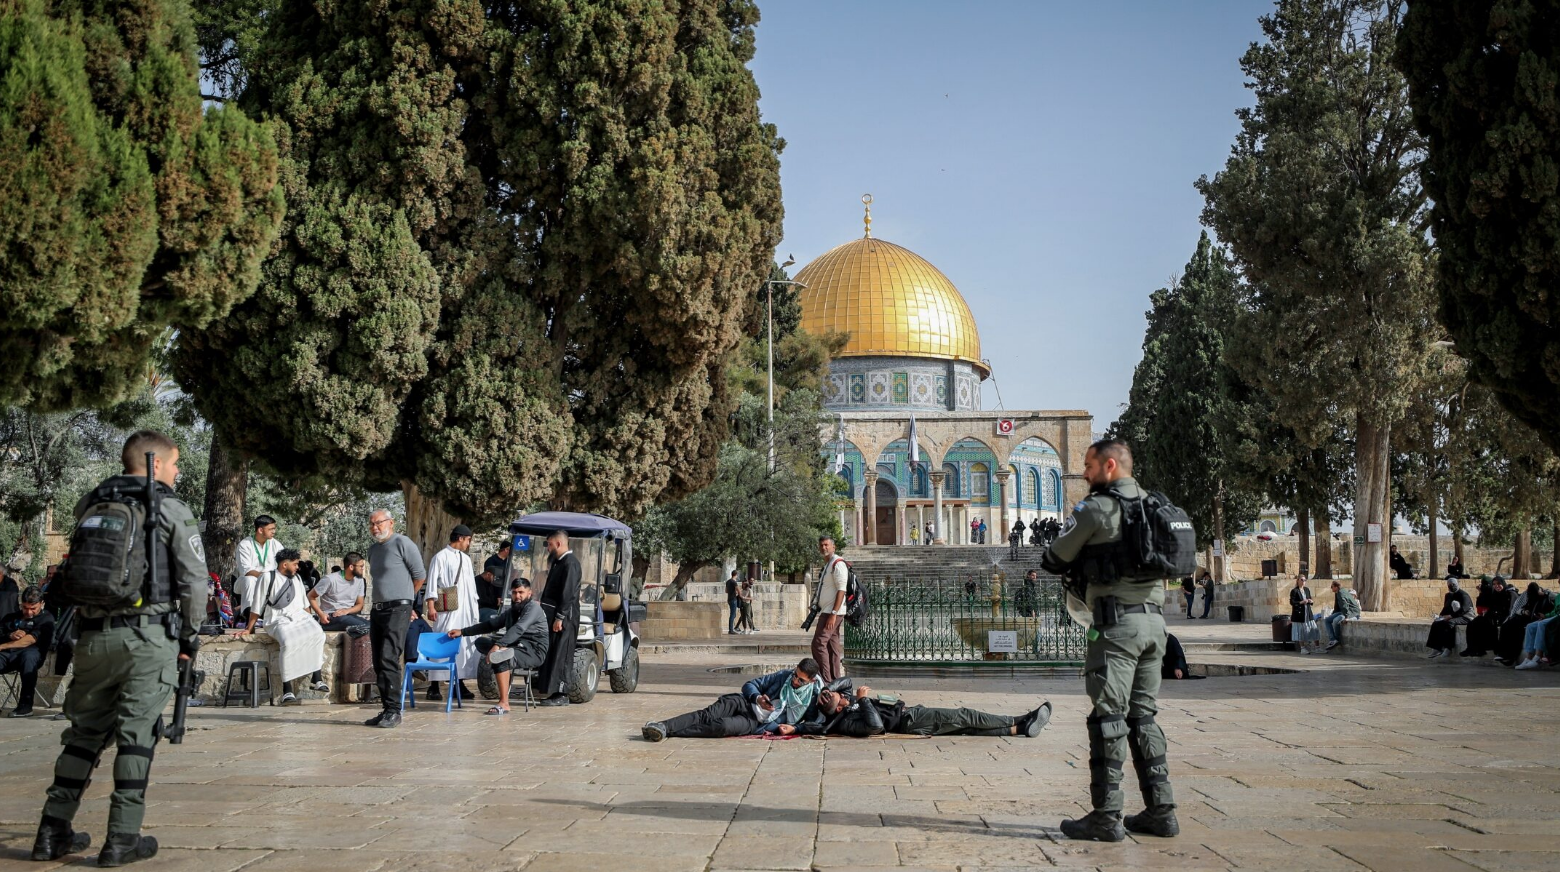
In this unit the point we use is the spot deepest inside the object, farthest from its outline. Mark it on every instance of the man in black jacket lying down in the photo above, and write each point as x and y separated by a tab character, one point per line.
843	713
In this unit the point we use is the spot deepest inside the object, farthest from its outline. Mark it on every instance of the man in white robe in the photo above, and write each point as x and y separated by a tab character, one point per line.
451	570
255	557
281	602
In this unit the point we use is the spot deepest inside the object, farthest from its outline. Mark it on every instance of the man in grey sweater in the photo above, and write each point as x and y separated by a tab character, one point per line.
521	643
396	567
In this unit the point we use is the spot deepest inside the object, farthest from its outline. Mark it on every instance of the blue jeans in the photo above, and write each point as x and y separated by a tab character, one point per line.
343	622
731	619
1333	626
1533	636
1207	601
1190	595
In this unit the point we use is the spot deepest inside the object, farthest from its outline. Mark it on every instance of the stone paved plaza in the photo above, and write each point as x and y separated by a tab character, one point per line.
1354	764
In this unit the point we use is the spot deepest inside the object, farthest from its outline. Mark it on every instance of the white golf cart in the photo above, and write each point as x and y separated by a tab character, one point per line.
607	638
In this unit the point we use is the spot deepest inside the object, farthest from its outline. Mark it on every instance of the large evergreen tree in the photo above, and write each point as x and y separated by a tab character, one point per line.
125	207
1321	206
1482	82
520	244
1179	398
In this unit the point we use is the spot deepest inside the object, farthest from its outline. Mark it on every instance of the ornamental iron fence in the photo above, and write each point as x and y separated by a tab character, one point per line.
966	619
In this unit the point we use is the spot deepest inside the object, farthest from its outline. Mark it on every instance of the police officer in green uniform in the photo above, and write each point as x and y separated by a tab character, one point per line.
1126	644
127	668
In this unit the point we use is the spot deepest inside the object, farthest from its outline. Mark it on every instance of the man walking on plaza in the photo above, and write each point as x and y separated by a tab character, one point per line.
561	604
398	574
127	657
1122	666
827	646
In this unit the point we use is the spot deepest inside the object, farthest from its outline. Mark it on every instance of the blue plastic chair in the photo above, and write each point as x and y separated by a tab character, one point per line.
436	652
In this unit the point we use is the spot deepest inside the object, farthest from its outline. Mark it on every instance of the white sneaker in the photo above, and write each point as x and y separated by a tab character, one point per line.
1435	654
1305	650
1331	645
1528	664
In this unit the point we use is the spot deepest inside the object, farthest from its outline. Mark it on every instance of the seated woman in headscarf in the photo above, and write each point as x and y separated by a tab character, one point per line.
1493	606
1456	608
1532	604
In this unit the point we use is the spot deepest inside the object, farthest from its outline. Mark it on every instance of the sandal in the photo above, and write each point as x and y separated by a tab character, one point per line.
495	710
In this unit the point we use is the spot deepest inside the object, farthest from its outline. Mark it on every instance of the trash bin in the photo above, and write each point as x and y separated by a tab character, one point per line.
1237	614
1281	628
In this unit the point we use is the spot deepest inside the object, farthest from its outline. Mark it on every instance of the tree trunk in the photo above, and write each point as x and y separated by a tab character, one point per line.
227	489
1303	534
1322	527
1457	544
1218	531
1554	556
1371	498
1435	539
427	523
1522	555
685	572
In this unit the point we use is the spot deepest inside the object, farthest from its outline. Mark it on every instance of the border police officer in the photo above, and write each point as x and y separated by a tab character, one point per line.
127	668
1126	644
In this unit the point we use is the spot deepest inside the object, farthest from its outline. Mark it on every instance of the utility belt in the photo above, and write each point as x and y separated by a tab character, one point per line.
94	625
1107	611
387	605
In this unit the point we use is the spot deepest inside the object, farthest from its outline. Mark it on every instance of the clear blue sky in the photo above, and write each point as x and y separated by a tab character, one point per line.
1041	154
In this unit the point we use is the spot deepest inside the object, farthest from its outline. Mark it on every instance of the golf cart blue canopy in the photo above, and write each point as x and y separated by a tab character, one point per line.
574	523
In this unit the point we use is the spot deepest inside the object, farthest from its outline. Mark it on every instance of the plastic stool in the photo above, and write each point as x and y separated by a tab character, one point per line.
248	672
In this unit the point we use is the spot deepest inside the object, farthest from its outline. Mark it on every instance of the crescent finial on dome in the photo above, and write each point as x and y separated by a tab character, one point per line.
866	200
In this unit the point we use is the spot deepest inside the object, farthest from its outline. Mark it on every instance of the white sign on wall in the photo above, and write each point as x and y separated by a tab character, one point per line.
1002	641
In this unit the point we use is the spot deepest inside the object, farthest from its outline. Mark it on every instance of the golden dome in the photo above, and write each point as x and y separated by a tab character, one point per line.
891	301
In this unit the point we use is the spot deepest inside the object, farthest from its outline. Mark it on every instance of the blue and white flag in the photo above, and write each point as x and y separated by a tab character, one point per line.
915	450
839	448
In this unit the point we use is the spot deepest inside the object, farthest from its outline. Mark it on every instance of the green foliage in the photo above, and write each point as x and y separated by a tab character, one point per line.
1179	397
1482	81
520	245
1321	207
1503	477
126	207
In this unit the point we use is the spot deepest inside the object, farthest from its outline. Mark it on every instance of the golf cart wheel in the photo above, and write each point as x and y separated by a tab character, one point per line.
487	685
625	678
585	677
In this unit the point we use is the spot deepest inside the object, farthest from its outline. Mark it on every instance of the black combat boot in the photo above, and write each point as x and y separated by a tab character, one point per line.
56	839
1157	821
1096	826
122	848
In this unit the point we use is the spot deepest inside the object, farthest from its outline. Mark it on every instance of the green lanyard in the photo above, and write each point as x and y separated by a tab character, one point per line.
265	555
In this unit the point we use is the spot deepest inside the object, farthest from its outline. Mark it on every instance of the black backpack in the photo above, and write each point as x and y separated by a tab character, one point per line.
107	563
1159	538
857	607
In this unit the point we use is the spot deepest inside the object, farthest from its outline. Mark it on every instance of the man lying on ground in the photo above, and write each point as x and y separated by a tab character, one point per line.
769	703
840	713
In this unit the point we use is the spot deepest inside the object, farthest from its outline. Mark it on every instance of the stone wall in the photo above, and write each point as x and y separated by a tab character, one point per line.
1248	552
1389	638
775	606
1264	598
683	621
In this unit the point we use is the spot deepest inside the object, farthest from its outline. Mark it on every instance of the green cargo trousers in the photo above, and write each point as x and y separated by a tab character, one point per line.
953	722
1121	675
124	679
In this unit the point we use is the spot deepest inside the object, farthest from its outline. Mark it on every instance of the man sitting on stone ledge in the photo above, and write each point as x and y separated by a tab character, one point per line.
1346	607
337	601
279	601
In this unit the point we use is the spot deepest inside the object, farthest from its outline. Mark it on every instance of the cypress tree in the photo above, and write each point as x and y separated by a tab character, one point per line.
1482	82
125	208
519	247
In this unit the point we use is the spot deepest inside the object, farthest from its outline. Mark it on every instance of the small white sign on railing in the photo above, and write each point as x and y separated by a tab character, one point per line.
1002	641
